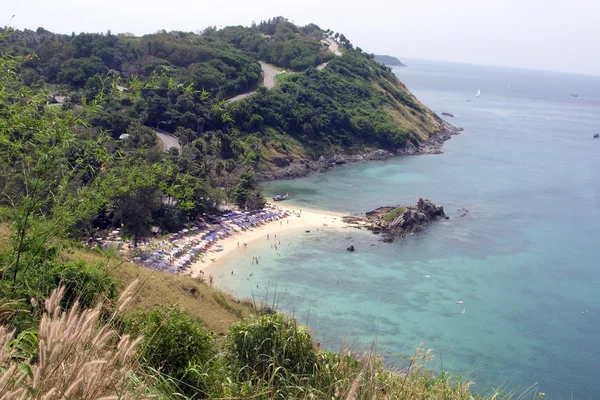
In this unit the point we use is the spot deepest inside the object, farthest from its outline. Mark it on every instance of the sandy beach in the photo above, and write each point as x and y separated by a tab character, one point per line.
305	219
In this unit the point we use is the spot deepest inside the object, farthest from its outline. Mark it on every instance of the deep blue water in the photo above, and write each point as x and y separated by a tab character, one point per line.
525	259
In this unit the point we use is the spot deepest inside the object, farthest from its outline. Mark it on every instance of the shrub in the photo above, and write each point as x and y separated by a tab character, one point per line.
82	282
268	343
172	339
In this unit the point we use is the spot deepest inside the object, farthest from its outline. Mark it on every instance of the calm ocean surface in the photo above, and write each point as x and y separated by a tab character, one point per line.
525	260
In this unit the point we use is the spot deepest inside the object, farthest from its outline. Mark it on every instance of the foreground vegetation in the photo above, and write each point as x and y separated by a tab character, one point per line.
167	354
69	328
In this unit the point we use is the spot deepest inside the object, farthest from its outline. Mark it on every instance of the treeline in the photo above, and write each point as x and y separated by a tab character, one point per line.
205	62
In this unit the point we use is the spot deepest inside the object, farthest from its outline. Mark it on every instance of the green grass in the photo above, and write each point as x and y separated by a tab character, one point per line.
163	289
392	214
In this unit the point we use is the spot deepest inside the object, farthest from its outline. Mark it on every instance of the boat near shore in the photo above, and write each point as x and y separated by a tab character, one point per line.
281	197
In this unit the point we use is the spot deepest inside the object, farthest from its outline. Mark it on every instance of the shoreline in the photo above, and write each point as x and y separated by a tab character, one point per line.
306	219
300	168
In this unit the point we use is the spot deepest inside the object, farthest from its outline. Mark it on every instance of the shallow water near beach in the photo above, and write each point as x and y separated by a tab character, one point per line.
525	258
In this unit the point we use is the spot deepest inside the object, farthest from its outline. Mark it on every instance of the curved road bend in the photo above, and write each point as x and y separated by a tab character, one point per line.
269	74
169	141
334	47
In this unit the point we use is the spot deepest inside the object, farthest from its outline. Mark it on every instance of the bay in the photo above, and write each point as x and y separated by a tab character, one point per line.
524	259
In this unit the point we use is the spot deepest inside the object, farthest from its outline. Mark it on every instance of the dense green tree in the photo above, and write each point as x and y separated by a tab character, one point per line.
134	201
141	136
246	194
41	190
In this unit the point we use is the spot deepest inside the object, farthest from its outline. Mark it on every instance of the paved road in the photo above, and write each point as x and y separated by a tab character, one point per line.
169	141
269	74
333	47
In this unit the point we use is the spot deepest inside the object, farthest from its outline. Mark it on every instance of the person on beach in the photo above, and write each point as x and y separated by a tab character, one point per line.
267	236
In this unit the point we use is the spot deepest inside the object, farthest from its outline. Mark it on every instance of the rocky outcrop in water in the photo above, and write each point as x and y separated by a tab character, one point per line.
397	222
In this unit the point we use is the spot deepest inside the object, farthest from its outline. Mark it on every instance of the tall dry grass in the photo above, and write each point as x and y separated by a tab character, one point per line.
77	357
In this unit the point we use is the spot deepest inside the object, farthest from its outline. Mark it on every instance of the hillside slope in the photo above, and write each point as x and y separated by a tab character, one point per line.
176	81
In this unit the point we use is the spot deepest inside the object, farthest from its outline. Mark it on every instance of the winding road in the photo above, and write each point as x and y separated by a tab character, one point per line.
269	81
169	141
269	74
334	47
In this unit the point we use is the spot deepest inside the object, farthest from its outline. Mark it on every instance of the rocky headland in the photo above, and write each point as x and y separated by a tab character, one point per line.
395	222
298	168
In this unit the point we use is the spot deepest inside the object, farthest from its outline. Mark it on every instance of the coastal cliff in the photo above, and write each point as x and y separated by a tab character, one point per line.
388	60
395	222
299	168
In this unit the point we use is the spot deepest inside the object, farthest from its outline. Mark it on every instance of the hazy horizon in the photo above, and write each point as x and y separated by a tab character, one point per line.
556	35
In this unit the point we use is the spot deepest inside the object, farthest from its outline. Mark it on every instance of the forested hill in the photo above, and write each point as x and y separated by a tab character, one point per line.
177	79
110	92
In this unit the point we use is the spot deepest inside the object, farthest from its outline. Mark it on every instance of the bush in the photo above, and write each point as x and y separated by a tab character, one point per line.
261	347
172	339
82	282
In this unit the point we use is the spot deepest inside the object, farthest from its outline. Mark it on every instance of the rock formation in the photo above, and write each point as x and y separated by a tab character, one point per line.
397	222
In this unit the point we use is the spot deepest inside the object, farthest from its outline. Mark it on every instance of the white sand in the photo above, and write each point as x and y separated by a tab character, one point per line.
307	219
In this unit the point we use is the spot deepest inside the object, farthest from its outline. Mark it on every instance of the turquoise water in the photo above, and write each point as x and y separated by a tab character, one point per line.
525	260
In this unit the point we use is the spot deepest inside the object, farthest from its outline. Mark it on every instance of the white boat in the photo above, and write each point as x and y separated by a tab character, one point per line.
478	93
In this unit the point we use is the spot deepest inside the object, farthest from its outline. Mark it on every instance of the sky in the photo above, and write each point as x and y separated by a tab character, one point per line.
557	35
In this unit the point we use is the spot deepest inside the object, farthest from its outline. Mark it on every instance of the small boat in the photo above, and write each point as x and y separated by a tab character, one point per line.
280	197
597	135
574	95
459	301
478	93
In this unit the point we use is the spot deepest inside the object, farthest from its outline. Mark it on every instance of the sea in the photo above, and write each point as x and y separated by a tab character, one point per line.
521	250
